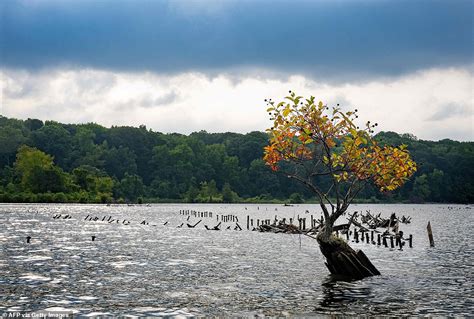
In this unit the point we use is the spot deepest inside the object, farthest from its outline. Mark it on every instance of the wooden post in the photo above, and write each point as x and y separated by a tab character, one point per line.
356	236
248	222
430	234
398	241
258	222
93	238
347	235
410	241
391	242
384	241
251	222
367	238
372	237
28	238
378	239
362	236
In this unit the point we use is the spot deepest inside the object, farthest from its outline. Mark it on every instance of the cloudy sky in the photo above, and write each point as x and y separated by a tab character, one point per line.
183	65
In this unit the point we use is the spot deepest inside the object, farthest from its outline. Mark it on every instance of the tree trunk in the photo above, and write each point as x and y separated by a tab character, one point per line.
341	259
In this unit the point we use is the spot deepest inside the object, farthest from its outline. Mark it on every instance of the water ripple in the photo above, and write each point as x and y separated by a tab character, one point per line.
166	271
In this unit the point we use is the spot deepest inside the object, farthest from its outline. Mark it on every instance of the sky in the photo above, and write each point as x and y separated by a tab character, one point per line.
184	65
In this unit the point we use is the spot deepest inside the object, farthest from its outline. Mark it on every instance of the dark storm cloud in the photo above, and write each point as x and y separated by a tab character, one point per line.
324	38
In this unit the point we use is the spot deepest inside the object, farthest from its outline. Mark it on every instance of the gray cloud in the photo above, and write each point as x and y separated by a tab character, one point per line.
451	110
148	101
168	98
349	40
432	104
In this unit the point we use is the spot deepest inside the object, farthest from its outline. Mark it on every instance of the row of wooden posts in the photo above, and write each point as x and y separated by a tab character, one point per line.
250	222
364	235
381	239
195	213
301	222
395	241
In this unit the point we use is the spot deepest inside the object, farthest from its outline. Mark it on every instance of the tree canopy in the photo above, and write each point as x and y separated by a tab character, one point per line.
89	163
316	142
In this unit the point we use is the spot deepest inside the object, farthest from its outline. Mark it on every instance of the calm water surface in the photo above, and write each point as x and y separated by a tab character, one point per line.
136	269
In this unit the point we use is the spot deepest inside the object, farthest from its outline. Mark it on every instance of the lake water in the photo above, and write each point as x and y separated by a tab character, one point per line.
135	269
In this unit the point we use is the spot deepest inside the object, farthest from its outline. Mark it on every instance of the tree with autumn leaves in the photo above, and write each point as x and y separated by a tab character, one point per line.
311	143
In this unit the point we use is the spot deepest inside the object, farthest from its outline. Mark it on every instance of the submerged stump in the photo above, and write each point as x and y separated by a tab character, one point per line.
343	261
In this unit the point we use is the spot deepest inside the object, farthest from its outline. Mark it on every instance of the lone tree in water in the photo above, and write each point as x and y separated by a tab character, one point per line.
328	153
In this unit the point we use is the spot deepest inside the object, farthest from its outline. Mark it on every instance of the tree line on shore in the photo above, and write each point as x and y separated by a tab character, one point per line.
88	163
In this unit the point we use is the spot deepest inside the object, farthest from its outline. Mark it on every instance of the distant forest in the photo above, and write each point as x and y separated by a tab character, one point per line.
88	163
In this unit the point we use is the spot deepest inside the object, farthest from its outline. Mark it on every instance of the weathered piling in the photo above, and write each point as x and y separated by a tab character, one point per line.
391	242
398	240
410	241
248	222
378	239
430	234
384	241
367	237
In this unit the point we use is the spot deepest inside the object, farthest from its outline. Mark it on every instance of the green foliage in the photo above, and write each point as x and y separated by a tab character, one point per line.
55	140
11	138
130	187
88	163
208	193
296	198
228	196
192	194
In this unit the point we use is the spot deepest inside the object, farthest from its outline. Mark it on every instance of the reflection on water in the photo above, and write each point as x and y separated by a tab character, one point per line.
153	269
337	292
